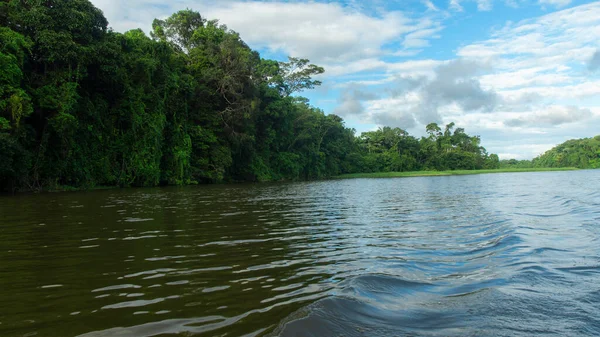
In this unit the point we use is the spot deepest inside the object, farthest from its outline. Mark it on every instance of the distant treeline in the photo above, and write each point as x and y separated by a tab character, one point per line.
581	153
83	106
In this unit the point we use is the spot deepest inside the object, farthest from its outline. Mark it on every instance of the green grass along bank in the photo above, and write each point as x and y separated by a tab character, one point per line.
448	173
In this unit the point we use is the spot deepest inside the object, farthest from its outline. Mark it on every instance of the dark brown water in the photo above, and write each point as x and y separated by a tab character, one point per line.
504	255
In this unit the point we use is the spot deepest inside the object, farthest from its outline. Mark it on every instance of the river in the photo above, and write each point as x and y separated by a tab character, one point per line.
515	254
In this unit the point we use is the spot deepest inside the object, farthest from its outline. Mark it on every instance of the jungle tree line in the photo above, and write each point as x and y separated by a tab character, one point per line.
580	153
82	105
394	150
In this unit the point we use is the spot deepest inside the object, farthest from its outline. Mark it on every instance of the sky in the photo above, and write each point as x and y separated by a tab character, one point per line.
522	74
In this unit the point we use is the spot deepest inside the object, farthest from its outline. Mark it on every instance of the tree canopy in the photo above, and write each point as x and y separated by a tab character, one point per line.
82	105
581	153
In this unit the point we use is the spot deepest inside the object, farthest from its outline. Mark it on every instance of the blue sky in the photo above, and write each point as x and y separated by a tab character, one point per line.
522	74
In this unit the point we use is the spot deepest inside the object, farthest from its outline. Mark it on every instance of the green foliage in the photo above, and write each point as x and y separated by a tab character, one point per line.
580	153
178	29
449	173
296	76
14	160
15	103
394	150
83	106
513	163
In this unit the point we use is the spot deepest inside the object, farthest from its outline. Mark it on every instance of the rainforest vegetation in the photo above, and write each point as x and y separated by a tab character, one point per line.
84	106
581	153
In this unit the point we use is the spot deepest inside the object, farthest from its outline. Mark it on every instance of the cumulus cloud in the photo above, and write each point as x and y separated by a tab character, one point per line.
351	101
516	86
356	102
579	91
405	84
535	76
523	68
527	140
454	83
551	116
526	85
320	31
325	32
399	118
525	101
420	96
394	112
525	151
536	65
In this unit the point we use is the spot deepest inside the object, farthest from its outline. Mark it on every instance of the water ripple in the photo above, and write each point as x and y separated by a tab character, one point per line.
495	255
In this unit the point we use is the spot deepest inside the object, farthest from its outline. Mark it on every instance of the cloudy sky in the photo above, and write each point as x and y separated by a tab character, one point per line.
523	74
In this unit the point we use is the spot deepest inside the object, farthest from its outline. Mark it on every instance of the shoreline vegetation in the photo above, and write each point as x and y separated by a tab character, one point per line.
376	175
83	106
450	173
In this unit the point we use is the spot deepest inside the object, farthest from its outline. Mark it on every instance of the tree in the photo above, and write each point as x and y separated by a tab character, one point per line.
581	153
296	76
81	105
178	29
433	130
15	103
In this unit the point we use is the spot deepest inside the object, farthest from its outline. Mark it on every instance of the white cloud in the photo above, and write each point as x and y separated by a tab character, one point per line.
554	39
550	116
535	76
395	112
514	88
455	5
484	5
350	101
579	91
528	85
327	33
421	38
540	77
512	3
430	5
414	67
422	98
319	31
337	69
556	3
524	151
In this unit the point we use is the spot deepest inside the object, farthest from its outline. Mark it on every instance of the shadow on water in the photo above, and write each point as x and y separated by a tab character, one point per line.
495	255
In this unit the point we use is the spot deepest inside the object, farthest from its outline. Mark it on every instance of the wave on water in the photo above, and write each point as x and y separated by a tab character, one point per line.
382	305
528	266
500	255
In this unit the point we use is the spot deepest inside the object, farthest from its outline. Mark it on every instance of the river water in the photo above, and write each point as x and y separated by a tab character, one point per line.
514	254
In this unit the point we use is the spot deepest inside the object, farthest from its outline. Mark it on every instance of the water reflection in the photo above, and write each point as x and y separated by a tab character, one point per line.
506	254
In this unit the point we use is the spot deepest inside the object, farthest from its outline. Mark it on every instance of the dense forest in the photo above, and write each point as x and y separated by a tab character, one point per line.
84	106
580	153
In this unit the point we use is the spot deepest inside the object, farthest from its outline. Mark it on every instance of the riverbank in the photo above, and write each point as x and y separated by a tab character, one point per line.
66	188
447	173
